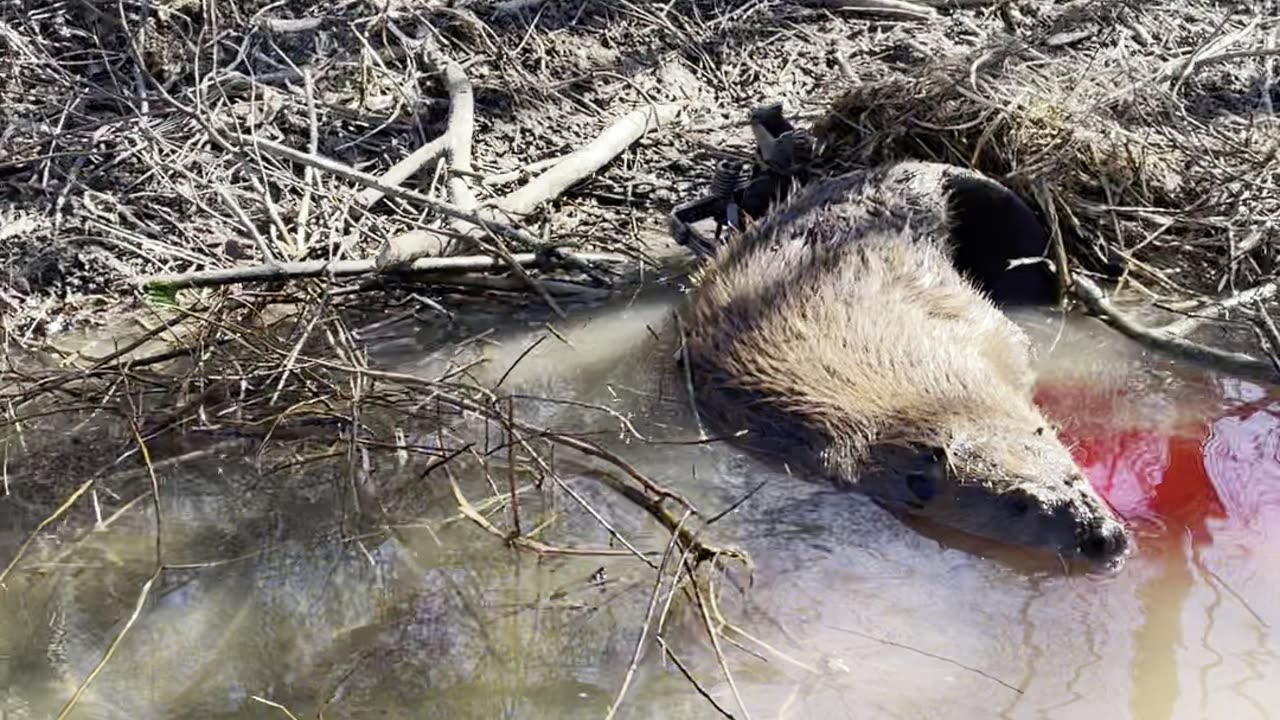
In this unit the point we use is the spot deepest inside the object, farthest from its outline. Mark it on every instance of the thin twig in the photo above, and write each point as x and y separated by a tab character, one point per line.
468	510
928	654
714	635
308	173
692	680
324	164
62	509
1267	327
250	229
1195	318
143	593
648	620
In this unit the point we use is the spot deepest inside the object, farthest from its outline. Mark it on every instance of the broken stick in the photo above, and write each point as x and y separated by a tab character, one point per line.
456	140
334	167
570	170
344	268
587	161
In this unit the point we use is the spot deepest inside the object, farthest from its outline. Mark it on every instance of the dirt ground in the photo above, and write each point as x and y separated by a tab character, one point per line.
122	131
104	179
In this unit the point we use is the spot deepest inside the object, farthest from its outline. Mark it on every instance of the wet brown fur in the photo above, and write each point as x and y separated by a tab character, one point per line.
838	333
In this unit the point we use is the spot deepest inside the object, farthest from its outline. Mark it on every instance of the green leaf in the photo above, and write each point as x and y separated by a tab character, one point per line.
161	294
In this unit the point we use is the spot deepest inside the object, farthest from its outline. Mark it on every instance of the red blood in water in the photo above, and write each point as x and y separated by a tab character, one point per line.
1176	479
1149	476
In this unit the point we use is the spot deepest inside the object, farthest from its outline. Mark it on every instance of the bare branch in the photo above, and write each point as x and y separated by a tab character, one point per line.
347	268
1097	303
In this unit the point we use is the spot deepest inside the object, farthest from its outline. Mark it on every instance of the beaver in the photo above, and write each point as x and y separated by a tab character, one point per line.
839	333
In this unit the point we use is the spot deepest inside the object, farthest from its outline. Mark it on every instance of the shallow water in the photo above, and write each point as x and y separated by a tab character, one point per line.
440	620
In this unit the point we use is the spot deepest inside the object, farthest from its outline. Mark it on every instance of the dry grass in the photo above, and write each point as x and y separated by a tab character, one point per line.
1145	134
1144	131
118	160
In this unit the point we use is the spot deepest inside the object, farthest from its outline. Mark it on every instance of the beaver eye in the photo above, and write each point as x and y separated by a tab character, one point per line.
921	485
1019	507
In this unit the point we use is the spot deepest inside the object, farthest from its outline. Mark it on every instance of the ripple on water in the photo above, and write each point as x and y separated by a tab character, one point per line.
911	626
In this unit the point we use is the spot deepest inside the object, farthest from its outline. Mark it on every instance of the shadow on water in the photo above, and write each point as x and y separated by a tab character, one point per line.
274	597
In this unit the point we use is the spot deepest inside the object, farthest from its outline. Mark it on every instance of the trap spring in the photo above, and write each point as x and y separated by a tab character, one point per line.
738	190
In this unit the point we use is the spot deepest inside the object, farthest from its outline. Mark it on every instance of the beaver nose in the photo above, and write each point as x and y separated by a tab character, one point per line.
1105	540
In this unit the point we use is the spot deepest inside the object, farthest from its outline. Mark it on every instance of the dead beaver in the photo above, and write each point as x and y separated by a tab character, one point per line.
840	335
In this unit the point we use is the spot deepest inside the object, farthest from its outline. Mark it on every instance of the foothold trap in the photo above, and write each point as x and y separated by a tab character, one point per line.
740	189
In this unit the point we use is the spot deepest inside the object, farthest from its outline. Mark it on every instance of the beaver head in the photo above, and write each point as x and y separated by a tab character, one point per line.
948	434
951	434
1015	484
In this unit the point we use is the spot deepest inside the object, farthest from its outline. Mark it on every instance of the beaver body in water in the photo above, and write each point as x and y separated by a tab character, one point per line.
839	333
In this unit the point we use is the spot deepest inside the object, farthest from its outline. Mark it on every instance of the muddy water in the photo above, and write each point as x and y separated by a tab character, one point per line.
868	617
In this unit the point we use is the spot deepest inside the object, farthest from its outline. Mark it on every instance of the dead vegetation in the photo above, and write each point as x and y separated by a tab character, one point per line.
255	187
1144	134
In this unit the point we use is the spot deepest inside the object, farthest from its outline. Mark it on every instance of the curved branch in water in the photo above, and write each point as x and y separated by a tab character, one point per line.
1097	303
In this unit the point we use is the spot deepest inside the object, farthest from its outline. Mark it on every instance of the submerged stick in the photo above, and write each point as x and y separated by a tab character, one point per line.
648	618
524	541
1097	303
62	509
143	594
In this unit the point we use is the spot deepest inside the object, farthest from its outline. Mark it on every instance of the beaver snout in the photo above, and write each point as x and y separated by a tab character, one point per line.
1104	541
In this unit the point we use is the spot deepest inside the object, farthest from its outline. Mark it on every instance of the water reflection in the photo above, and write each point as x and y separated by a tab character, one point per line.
1199	481
437	619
